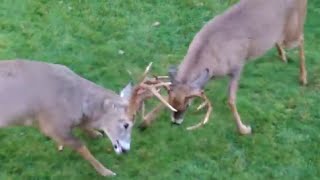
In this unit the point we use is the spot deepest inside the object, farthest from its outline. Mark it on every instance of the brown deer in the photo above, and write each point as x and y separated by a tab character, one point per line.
56	100
226	43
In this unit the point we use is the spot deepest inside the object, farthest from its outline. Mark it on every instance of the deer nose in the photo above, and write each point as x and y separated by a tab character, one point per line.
124	150
126	125
178	114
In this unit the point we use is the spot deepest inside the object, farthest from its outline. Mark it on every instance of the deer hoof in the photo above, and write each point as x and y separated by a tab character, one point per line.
60	147
284	58
245	130
106	172
303	81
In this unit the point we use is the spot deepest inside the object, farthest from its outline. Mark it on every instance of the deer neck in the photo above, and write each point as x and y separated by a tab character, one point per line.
190	69
93	99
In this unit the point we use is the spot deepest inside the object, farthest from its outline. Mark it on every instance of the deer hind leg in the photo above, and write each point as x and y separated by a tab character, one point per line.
303	70
301	19
281	52
233	86
298	40
294	37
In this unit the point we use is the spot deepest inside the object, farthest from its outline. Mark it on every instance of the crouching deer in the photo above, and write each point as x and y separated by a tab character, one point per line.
226	43
56	100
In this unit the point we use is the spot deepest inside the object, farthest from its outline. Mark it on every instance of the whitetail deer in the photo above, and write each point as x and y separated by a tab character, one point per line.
224	45
56	100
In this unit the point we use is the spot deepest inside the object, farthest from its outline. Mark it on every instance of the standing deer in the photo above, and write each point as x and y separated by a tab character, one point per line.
224	45
57	100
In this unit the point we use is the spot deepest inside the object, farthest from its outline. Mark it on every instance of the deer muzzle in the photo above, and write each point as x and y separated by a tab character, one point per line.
121	147
177	117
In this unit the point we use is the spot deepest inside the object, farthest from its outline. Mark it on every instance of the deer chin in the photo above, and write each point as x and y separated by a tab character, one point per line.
119	146
176	121
177	118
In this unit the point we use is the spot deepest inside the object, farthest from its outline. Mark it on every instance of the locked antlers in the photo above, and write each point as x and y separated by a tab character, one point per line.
163	82
149	87
145	89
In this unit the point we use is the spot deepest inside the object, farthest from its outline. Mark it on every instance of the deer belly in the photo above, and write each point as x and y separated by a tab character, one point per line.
259	48
21	122
14	117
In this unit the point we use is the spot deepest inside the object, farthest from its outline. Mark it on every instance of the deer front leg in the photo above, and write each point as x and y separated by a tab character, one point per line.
303	71
86	154
233	87
281	52
74	143
90	132
64	137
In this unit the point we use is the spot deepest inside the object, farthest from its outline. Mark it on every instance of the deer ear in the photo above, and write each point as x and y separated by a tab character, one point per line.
172	72
201	80
126	92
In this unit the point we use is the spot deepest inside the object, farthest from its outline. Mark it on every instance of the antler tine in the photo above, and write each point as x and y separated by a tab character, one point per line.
209	110
161	77
151	116
155	92
146	71
202	105
163	84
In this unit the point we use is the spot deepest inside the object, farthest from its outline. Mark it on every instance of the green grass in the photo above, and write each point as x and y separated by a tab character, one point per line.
86	35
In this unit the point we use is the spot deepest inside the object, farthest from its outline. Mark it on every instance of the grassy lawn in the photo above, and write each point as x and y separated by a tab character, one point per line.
101	40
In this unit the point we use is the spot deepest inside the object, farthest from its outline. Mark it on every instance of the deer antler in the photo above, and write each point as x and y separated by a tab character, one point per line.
209	110
145	73
153	84
160	81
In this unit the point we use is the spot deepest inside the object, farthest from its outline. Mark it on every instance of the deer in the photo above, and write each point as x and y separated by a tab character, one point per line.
244	32
56	100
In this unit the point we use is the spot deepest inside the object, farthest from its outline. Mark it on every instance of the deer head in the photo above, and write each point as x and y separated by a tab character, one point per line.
121	113
181	93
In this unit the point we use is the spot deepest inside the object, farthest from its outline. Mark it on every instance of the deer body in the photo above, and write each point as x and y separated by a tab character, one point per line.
245	31
57	90
56	100
224	45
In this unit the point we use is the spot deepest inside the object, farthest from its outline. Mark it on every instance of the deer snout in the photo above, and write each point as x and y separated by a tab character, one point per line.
177	117
121	147
124	151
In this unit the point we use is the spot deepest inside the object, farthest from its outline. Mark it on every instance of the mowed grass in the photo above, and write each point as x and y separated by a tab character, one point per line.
87	36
